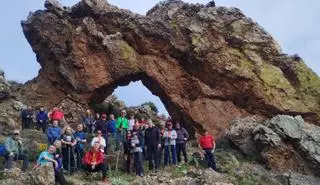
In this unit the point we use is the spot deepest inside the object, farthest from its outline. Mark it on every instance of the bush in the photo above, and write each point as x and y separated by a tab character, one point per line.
152	106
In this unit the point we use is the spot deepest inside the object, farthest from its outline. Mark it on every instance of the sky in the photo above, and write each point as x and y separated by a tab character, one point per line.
293	23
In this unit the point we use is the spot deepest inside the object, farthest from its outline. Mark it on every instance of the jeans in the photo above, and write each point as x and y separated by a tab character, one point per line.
100	167
167	159
42	125
138	161
210	158
16	157
153	157
68	158
79	153
181	147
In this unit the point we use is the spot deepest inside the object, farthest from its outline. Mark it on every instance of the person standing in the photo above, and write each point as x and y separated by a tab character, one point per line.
54	132
153	144
207	145
131	122
68	142
182	138
88	121
57	114
100	140
42	119
15	151
170	136
102	125
27	118
122	126
112	134
137	150
93	161
81	138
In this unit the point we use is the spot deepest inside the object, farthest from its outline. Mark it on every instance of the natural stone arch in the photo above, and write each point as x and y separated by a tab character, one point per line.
207	64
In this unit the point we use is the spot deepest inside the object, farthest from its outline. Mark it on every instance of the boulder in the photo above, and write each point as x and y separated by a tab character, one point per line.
207	64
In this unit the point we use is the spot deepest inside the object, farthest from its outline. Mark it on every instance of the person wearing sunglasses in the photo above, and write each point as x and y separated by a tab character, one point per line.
15	151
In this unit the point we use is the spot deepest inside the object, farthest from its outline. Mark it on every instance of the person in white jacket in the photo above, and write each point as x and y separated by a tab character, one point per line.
99	139
170	136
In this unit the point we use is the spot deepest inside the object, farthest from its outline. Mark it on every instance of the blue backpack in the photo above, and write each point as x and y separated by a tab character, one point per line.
2	150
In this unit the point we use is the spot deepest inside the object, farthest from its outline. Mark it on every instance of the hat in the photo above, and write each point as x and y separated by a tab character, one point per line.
15	131
103	116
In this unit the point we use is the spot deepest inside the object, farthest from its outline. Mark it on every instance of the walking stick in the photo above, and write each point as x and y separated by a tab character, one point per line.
69	156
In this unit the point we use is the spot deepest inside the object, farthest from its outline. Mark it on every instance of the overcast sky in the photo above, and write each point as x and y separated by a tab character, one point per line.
293	23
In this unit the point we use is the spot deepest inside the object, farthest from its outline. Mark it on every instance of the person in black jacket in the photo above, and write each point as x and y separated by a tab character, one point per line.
103	125
27	118
182	138
153	143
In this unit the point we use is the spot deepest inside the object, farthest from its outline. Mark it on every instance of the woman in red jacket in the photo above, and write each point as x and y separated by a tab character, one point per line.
93	161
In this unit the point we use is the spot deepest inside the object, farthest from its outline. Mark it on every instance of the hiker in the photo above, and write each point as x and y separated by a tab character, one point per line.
122	126
27	118
112	134
153	144
93	161
131	122
57	114
42	119
128	152
68	142
207	145
88	121
100	140
137	150
102	126
15	151
54	132
170	136
81	140
47	157
161	150
58	153
182	138
211	4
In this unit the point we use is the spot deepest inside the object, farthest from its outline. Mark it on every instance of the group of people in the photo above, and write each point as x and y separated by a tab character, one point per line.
137	140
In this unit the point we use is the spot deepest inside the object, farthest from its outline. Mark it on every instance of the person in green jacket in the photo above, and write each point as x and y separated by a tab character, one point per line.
15	151
122	126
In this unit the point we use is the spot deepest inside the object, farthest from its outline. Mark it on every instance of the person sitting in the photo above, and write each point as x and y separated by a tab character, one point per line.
93	161
68	142
100	140
207	145
81	138
58	153
47	157
15	151
54	132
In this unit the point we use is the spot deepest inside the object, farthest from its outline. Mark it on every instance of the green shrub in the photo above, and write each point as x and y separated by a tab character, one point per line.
152	106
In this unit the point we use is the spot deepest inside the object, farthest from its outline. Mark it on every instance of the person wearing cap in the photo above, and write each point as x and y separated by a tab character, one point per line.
15	151
102	125
100	140
122	127
170	136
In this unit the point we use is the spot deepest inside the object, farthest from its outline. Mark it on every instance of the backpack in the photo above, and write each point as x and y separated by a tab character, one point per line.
2	150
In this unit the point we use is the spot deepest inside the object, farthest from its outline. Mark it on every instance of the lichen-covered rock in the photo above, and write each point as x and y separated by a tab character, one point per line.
207	64
283	142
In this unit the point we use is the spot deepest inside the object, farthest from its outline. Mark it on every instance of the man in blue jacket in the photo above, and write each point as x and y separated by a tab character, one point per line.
81	138
42	119
54	132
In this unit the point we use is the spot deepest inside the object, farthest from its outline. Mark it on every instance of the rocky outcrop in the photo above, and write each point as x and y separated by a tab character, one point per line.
283	142
207	64
5	90
41	176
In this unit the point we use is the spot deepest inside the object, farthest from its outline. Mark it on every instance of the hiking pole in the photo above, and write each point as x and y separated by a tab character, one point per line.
69	156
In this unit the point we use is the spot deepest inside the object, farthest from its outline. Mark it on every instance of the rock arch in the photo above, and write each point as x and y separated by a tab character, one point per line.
207	64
